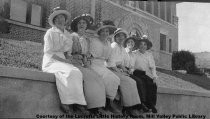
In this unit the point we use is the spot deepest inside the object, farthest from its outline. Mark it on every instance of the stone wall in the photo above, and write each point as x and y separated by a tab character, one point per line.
27	94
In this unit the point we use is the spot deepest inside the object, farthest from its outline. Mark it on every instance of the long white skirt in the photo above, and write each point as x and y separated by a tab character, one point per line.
111	81
69	82
128	90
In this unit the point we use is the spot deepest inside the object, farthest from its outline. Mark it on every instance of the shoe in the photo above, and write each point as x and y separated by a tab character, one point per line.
113	110
144	107
130	112
94	111
154	110
110	106
80	109
65	108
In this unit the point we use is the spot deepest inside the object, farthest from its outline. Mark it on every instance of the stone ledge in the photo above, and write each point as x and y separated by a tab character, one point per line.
47	77
171	91
26	25
26	74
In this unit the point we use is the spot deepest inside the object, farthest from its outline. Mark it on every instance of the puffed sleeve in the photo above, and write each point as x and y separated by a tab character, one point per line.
152	65
133	61
48	43
126	59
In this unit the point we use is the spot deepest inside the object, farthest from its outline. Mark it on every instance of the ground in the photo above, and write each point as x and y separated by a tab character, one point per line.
26	54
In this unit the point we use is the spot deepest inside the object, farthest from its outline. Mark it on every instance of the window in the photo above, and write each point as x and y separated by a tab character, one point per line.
149	6
168	11
170	45
141	5
162	42
18	10
130	3
36	12
162	10
156	8
5	8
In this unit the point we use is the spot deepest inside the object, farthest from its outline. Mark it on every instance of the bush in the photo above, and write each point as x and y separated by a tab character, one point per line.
185	60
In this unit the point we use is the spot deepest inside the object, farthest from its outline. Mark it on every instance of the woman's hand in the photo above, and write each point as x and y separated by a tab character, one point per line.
77	56
155	79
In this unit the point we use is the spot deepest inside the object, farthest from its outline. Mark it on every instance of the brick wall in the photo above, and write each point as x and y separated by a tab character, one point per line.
145	23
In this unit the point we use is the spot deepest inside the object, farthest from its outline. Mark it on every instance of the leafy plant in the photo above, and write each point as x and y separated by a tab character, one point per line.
185	60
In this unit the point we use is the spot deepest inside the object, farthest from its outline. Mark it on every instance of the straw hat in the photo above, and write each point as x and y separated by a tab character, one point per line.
145	39
57	11
106	24
87	17
120	30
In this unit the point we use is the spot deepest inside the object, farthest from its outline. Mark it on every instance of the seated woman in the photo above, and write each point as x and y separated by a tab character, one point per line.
145	69
69	80
130	45
128	88
94	88
100	49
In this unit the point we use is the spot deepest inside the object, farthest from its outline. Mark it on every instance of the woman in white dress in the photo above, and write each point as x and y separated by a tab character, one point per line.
100	50
69	80
145	69
128	87
94	88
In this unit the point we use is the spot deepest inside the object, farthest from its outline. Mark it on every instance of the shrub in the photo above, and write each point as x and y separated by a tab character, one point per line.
185	60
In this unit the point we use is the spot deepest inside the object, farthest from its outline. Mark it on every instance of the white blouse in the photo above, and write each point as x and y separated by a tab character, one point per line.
145	62
118	56
131	59
56	42
100	50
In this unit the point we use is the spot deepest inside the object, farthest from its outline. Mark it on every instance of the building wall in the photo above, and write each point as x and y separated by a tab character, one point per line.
123	16
150	25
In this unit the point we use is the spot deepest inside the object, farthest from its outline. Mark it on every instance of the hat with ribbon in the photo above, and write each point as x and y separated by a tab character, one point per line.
57	11
87	17
106	24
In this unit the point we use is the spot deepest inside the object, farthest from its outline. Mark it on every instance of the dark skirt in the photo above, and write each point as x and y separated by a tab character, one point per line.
146	87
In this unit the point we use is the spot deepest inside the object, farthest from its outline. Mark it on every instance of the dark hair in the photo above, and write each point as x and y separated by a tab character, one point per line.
99	32
76	28
119	33
57	15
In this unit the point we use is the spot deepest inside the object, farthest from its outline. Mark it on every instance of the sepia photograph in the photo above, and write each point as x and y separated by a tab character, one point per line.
105	59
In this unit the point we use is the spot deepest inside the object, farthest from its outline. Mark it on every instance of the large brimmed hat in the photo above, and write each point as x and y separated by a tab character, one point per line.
106	24
145	39
135	39
57	11
120	30
87	17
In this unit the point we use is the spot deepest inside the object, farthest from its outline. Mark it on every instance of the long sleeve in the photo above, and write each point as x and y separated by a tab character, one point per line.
48	44
114	55
152	65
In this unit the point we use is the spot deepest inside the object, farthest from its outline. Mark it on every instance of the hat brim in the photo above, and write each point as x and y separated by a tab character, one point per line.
121	31
135	41
55	13
77	19
110	27
149	43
